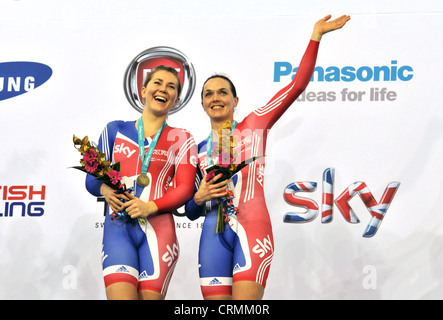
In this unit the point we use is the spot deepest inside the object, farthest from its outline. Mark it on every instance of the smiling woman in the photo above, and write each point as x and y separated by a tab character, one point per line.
219	99
236	244
130	270
168	69
160	95
161	91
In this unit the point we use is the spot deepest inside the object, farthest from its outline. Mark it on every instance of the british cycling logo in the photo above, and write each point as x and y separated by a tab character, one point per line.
20	77
22	201
146	61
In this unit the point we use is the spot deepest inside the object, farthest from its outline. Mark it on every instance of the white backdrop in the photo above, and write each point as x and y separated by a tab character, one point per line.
89	44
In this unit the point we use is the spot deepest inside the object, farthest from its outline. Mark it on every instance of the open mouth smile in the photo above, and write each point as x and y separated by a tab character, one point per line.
160	99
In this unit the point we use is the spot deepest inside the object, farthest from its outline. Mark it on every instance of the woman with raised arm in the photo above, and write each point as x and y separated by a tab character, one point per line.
234	263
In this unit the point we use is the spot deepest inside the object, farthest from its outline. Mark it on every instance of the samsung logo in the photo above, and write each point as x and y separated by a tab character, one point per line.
20	77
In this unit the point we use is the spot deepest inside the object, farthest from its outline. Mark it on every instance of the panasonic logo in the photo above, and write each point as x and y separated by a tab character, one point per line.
392	72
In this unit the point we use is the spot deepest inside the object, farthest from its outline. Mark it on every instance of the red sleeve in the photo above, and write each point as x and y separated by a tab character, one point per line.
185	169
266	116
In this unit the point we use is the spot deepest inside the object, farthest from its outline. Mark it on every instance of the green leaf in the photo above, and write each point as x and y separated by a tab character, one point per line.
220	220
116	166
243	164
226	173
81	168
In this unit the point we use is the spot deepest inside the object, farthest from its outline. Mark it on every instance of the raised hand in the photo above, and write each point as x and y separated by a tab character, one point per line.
323	26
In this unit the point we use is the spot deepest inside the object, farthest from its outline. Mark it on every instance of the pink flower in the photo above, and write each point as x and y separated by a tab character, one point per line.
91	166
90	157
210	175
115	176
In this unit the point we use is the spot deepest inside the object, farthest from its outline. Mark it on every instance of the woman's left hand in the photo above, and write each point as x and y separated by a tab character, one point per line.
137	208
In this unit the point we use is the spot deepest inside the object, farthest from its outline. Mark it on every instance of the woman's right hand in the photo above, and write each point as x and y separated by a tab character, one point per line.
210	190
113	199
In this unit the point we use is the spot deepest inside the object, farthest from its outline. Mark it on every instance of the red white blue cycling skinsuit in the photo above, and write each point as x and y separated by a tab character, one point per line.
145	254
245	250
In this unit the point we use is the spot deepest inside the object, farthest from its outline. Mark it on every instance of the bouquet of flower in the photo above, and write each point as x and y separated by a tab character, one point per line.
227	168
94	163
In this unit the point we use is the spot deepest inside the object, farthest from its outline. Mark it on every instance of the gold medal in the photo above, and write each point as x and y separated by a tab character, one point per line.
143	180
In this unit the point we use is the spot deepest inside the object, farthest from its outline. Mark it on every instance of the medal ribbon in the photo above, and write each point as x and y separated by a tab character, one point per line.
209	144
141	144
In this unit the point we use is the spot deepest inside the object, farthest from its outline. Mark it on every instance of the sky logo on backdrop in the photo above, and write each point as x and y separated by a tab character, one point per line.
20	77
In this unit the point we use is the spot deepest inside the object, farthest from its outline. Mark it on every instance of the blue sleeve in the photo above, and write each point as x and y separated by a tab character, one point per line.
192	209
105	145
